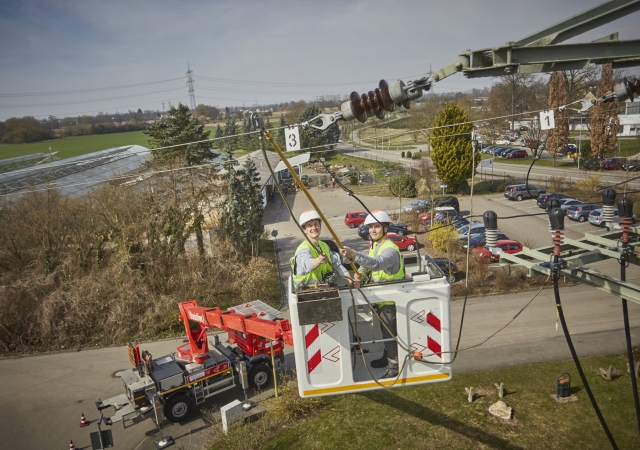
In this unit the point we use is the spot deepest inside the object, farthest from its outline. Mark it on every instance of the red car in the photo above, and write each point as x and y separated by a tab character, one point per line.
425	218
613	163
518	154
354	219
506	245
403	242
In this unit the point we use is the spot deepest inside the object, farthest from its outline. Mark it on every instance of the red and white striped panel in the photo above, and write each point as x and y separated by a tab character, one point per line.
313	352
434	333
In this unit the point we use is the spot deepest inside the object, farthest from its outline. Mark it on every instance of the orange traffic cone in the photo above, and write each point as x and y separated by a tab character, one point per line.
83	421
71	446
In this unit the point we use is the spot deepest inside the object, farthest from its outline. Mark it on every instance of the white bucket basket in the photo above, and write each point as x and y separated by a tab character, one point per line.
327	359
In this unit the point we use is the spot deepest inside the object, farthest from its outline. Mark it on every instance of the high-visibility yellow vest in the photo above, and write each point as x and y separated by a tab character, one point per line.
381	275
316	275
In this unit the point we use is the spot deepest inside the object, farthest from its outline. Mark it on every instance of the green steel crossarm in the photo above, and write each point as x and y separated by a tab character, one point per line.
538	53
588	276
583	22
510	59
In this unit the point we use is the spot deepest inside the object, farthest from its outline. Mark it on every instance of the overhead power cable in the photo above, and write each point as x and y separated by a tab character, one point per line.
90	101
82	91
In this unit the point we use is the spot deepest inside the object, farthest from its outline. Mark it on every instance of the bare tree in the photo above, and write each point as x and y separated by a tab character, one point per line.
533	137
558	137
517	93
578	82
421	118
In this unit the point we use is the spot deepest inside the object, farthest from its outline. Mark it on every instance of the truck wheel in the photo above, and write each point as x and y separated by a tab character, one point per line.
178	408
260	376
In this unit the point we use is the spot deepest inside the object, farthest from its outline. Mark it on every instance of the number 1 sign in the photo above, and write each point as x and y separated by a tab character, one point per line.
547	121
292	137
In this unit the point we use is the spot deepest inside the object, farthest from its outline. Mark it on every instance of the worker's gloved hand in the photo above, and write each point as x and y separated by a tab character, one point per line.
348	252
355	282
322	259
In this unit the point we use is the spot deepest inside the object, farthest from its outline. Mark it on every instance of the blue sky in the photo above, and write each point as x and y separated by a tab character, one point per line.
259	51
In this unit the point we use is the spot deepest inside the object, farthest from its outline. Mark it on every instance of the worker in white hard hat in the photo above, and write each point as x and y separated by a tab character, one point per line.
385	264
310	264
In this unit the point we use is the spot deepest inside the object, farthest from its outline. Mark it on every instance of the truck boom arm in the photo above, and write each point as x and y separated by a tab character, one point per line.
229	320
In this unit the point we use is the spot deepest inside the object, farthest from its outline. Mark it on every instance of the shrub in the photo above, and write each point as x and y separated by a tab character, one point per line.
417	155
443	238
409	154
402	155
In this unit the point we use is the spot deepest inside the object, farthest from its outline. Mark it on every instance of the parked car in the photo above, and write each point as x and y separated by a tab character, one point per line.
488	150
445	214
590	164
613	163
472	228
596	216
543	198
403	242
632	165
499	150
530	143
567	203
417	206
355	218
505	246
503	141
444	201
397	228
581	212
448	268
518	154
507	152
480	239
569	149
521	191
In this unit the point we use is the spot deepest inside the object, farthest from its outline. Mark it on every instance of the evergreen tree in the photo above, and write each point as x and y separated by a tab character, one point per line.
605	122
234	209
281	132
180	128
229	131
558	137
451	149
219	134
253	197
242	209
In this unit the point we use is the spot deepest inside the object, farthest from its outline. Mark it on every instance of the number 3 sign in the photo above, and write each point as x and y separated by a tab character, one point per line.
292	137
546	120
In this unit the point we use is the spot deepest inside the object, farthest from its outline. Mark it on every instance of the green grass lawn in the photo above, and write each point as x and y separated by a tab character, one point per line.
438	415
75	146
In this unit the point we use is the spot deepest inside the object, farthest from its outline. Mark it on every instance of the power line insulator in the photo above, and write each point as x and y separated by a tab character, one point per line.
357	109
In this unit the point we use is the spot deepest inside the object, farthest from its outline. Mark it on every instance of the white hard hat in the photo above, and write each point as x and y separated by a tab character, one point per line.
378	216
307	216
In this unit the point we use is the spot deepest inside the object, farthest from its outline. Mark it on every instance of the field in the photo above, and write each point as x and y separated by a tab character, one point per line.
75	146
439	415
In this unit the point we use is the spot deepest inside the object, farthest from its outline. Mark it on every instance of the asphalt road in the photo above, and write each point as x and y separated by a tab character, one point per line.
44	395
539	174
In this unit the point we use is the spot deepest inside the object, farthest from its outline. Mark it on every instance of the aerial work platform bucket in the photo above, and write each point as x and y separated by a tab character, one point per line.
326	324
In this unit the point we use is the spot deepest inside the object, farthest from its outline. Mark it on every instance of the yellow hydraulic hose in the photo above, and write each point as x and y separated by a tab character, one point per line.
304	189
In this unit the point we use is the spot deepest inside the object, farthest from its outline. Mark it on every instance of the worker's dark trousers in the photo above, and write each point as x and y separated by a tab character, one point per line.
387	315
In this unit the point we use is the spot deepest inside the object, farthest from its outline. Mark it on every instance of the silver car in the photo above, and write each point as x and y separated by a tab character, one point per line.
522	191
